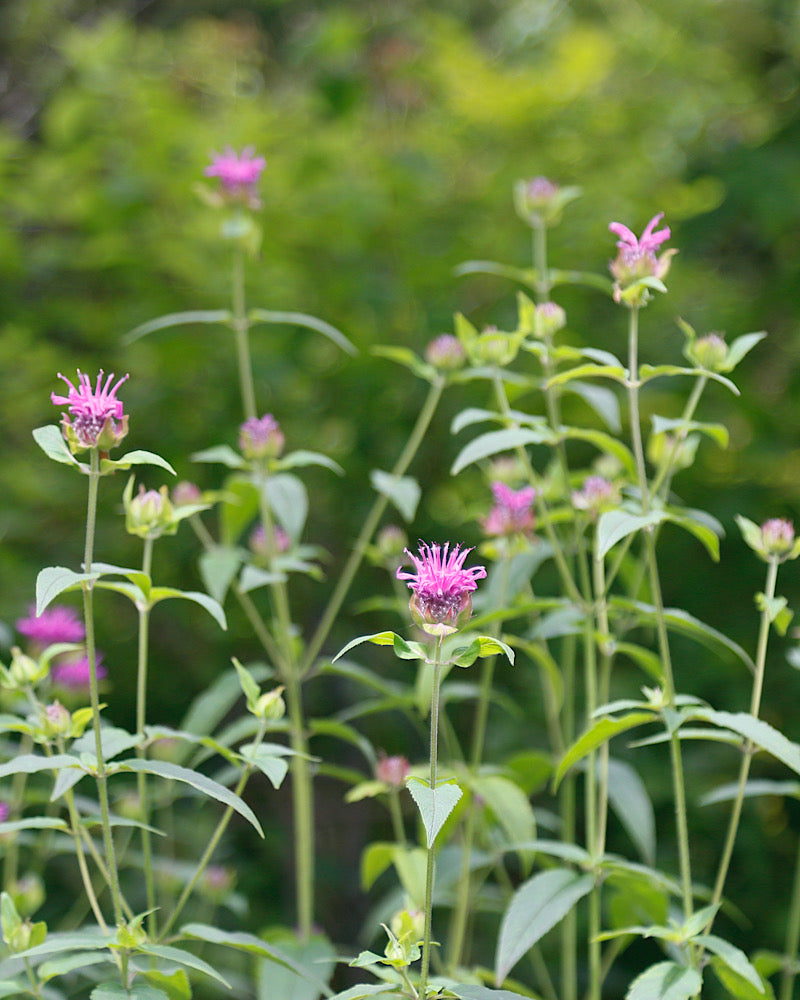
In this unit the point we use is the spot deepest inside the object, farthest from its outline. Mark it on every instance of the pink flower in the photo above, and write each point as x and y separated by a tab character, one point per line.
441	585
95	413
511	512
261	437
777	535
446	352
238	173
56	624
636	257
596	494
74	674
392	771
4	812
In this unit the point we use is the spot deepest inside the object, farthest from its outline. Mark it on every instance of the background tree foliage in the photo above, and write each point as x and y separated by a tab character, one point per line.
393	134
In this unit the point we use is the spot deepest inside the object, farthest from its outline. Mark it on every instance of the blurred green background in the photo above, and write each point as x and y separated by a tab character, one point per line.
393	135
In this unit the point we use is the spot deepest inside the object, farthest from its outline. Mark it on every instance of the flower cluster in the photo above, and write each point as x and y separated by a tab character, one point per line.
512	511
58	624
441	585
97	415
636	260
238	174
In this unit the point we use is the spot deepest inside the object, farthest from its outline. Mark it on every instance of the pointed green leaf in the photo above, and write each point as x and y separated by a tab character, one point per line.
317	955
737	986
472	992
303	319
733	957
761	733
537	905
55	580
665	981
178	319
218	567
211	606
220	454
598	734
628	797
511	807
434	804
740	347
137	991
271	765
135	458
179	956
200	782
526	276
403	491
615	372
614	525
288	497
176	984
493	442
51	441
606	443
28	763
300	459
601	399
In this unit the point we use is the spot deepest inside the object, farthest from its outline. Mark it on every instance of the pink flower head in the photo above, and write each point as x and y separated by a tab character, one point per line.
596	494
392	771
238	174
446	352
95	412
55	624
777	535
441	585
4	812
636	257
511	512
74	674
261	437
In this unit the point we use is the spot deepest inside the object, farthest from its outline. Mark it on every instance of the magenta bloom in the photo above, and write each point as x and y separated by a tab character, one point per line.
596	494
777	535
636	257
441	585
4	812
74	674
261	437
512	511
55	624
238	173
392	771
97	417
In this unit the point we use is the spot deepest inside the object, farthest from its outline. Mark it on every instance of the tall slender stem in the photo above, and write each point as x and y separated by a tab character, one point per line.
241	326
141	719
792	936
91	652
431	859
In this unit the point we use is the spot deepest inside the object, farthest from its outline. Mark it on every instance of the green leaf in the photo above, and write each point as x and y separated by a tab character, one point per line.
740	347
364	990
493	442
218	567
137	991
737	986
665	981
511	807
598	734
178	319
758	786
402	491
405	357
601	399
705	531
220	454
472	992
179	956
269	763
606	443
537	905
303	319
615	372
55	580
434	804
287	496
614	525
526	276
648	372
28	763
776	610
317	955
198	781
757	731
211	606
403	649
717	432
33	823
628	797
255	946
51	441
733	957
300	459
411	866
176	984
135	458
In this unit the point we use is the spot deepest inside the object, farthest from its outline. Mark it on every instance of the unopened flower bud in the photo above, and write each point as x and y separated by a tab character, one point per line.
537	201
185	493
24	670
494	347
710	352
548	319
778	536
678	452
57	720
390	544
596	494
28	894
261	437
446	353
258	545
150	513
270	705
392	771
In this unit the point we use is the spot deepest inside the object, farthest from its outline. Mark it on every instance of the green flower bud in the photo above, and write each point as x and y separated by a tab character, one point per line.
150	513
270	705
24	670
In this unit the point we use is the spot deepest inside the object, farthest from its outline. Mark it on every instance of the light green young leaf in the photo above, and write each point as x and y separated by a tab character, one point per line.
403	491
473	992
537	905
255	946
407	358
614	525
606	443
137	991
737	986
269	763
55	580
51	441
300	459
493	442
178	319
777	611
434	804
601	399
598	734
615	372
135	458
303	319
211	606
511	807
179	956
200	782
288	497
665	981
740	347
759	732
717	432
628	797
218	567
28	763
732	956
220	454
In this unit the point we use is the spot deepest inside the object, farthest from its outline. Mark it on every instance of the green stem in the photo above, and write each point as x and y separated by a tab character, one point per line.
141	719
216	836
369	526
744	767
430	868
241	326
91	652
676	760
792	936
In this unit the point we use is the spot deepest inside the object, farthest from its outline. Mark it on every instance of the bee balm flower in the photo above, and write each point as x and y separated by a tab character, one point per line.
441	586
55	624
97	417
238	174
636	258
511	512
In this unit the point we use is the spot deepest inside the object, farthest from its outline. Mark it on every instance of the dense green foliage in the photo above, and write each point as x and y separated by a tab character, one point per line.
393	134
